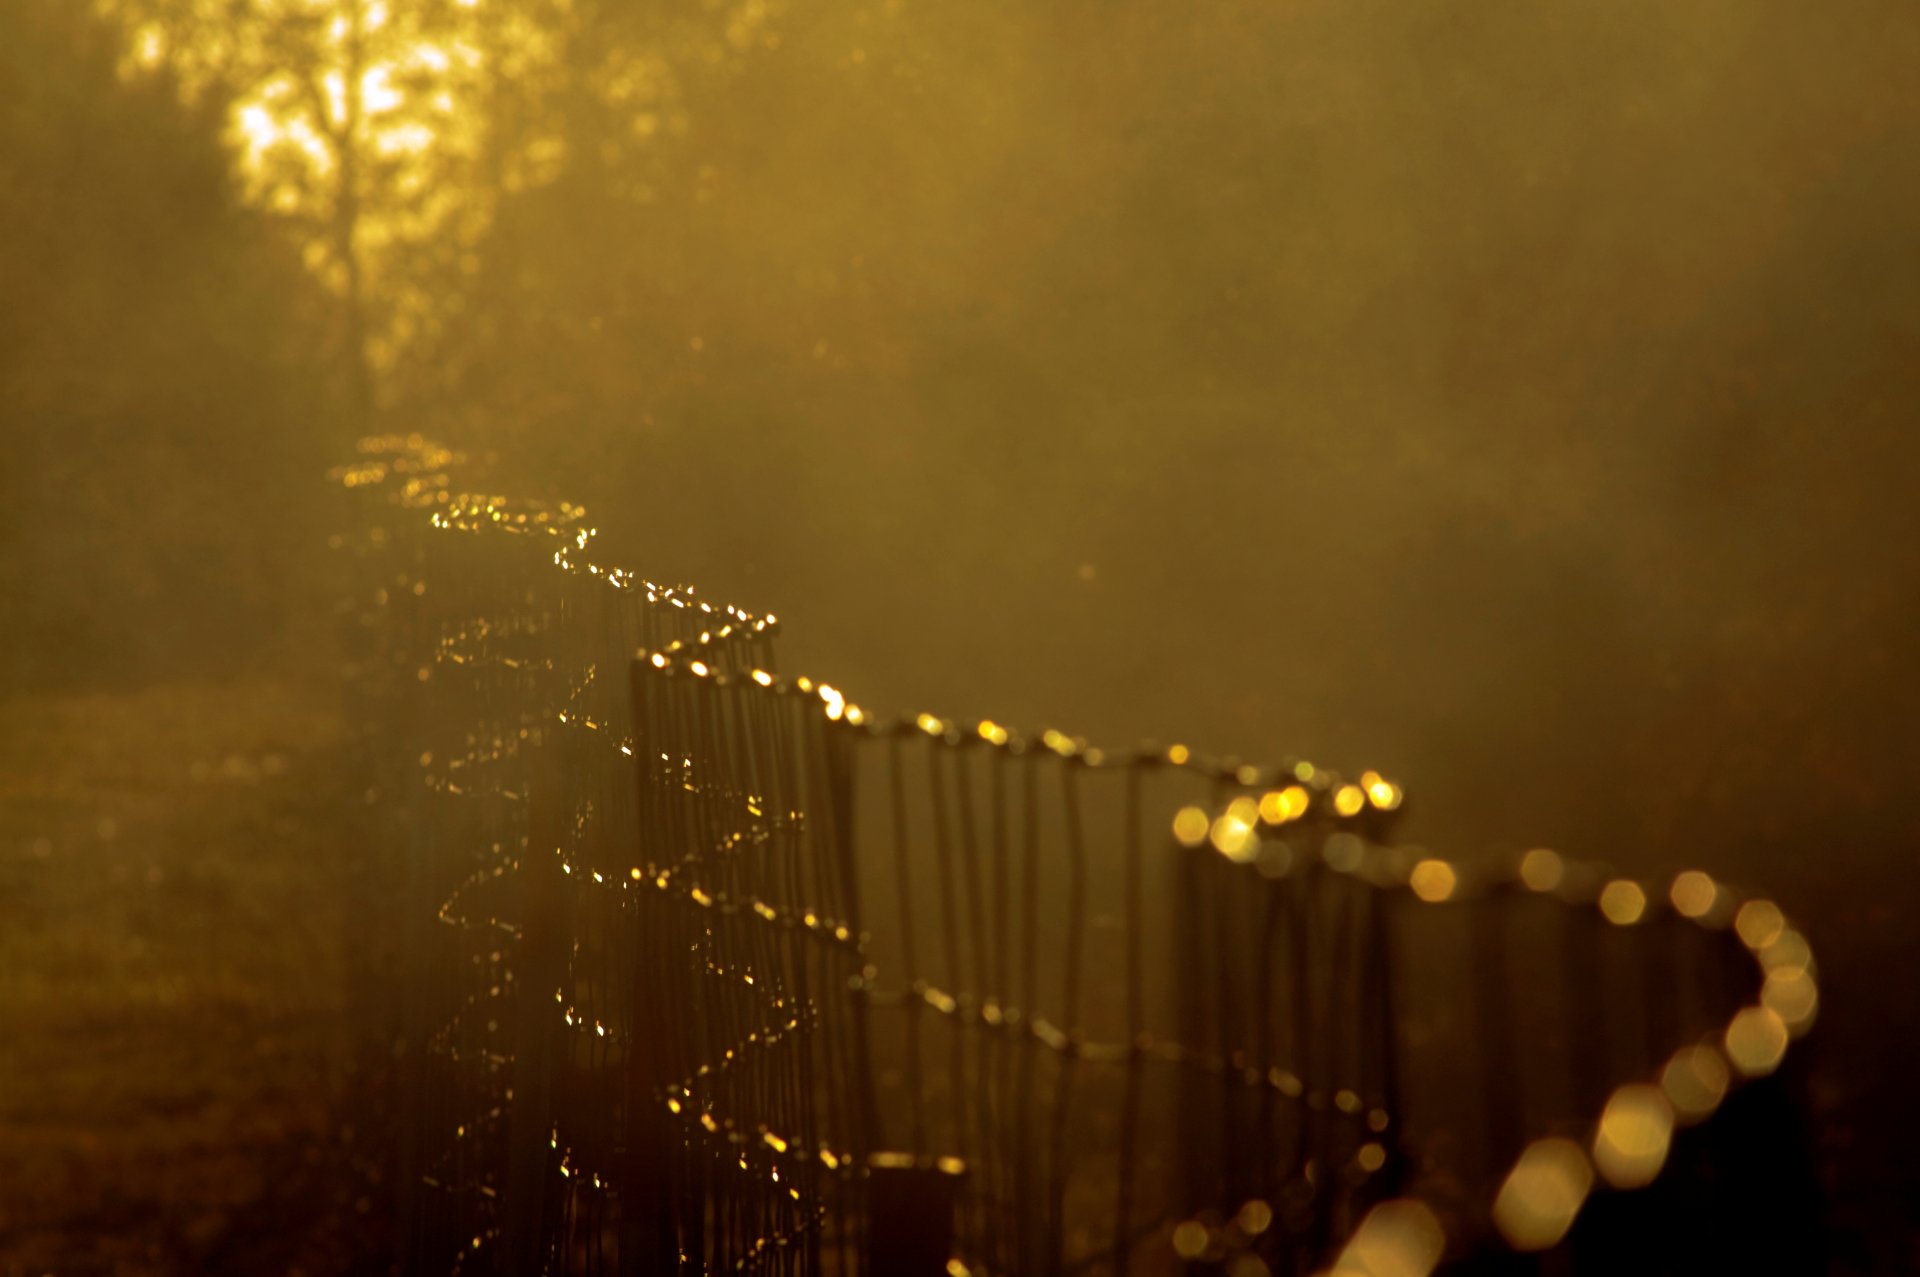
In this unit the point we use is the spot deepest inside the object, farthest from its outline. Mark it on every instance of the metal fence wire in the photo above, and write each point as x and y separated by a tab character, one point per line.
707	969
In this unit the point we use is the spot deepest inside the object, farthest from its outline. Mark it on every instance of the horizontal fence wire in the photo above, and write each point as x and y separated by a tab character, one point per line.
708	969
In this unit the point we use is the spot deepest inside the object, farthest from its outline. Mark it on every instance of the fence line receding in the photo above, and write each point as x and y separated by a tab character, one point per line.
708	968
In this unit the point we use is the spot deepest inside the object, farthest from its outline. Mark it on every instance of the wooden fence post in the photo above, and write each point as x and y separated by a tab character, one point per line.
910	1206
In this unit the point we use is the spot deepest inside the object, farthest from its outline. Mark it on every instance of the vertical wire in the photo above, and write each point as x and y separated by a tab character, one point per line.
651	1066
1007	1131
1076	891
839	1001
836	1059
984	1170
1190	1012
718	1004
937	750
839	752
1029	998
1218	919
1136	1043
808	1011
916	1078
1076	938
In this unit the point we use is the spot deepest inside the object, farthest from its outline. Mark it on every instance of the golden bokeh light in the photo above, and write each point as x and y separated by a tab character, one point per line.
1433	881
1788	950
1278	806
1756	1040
1694	894
1398	1238
1349	799
1381	792
1759	923
1542	870
1190	1238
1234	837
1233	840
1190	826
1791	994
1635	1132
1254	1217
1543	1193
1694	1081
1623	901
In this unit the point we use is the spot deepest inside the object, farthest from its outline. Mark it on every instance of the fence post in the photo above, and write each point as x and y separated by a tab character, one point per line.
910	1214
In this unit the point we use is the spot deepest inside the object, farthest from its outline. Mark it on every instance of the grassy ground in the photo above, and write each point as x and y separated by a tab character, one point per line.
177	995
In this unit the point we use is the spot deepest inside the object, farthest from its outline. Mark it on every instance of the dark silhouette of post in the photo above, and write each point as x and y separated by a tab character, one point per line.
910	1204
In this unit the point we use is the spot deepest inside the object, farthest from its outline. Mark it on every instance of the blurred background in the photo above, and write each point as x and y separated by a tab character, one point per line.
1516	399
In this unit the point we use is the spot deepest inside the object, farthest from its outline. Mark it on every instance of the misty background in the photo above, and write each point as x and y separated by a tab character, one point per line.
1514	398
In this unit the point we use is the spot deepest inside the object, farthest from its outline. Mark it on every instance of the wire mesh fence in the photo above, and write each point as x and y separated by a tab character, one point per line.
706	968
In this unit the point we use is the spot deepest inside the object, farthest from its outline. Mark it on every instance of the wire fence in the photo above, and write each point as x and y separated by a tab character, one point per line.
706	968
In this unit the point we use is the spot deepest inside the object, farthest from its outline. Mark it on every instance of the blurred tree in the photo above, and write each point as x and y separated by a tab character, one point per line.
364	126
387	136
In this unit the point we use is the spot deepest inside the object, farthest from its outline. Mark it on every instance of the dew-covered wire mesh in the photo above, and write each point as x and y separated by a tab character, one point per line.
492	654
962	985
705	969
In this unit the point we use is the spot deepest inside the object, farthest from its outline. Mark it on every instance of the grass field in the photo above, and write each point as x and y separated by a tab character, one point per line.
178	997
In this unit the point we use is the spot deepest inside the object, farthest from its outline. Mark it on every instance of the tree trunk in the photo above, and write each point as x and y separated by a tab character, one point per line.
346	224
